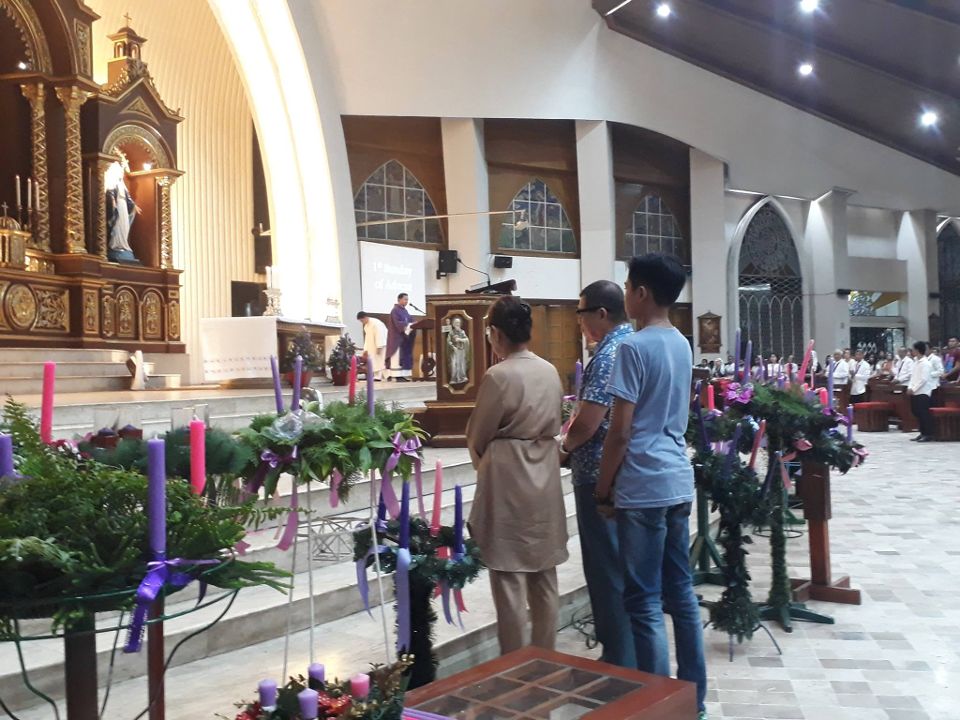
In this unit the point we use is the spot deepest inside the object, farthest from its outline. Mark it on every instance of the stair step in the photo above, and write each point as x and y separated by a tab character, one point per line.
62	355
25	370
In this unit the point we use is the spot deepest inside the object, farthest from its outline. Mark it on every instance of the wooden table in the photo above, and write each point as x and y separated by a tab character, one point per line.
533	683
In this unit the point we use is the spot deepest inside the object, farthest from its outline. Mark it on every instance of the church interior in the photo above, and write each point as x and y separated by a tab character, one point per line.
231	227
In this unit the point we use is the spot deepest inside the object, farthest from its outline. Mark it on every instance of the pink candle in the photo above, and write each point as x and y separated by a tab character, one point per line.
437	493
352	392
806	360
824	398
198	456
46	405
756	442
360	686
711	400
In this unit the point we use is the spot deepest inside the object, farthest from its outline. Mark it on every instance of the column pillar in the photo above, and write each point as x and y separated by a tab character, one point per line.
828	268
165	221
709	250
917	245
465	175
96	171
36	95
598	222
72	99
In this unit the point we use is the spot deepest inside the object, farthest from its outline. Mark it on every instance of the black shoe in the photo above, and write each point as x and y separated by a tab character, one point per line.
916	439
924	438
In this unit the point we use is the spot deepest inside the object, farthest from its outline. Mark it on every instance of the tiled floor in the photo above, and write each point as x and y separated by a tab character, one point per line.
896	532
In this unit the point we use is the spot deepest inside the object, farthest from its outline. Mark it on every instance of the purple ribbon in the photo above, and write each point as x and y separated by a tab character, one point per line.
335	479
362	585
159	573
269	460
388	494
293	521
410	448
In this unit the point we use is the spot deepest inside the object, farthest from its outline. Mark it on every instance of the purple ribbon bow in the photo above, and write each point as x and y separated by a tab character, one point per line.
739	393
159	573
411	448
269	460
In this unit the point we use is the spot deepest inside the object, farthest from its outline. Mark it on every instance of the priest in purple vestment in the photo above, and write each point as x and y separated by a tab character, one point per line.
400	339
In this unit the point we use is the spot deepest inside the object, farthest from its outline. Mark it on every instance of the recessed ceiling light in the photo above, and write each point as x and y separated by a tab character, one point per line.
805	69
929	118
663	10
808	6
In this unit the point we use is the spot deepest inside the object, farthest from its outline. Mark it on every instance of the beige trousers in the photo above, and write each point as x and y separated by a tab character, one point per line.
512	593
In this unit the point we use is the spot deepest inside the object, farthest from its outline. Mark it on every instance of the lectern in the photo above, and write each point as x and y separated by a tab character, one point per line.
463	356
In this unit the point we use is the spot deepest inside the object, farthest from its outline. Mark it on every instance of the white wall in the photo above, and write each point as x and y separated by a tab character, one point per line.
871	232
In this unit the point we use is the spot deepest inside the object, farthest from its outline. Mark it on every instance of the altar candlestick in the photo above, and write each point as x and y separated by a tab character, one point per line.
277	390
268	694
269	278
371	402
736	357
437	494
309	701
352	387
748	362
36	192
29	195
297	382
577	378
46	403
6	455
198	456
458	520
317	674
849	424
711	398
757	439
830	381
157	497
359	686
17	185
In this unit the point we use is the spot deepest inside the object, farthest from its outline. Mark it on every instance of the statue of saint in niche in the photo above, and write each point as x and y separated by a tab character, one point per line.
458	353
121	211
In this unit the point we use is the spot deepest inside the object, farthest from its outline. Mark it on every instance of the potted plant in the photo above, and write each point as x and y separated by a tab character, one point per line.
302	345
339	360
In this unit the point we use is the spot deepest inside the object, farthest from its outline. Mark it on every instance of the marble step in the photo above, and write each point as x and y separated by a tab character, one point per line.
34	369
18	386
257	615
62	355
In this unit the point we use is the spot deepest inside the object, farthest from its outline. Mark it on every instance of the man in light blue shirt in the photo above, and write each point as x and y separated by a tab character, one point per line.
645	474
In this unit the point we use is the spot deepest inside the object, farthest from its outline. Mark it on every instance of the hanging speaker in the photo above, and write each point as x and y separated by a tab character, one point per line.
448	261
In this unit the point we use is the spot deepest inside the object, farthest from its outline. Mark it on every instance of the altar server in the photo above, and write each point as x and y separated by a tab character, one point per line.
903	367
374	343
920	388
860	372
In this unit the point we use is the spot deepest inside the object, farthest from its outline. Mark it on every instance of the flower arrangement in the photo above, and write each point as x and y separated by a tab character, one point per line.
302	344
339	359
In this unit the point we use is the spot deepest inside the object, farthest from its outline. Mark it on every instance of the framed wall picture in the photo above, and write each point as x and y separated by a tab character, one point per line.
709	332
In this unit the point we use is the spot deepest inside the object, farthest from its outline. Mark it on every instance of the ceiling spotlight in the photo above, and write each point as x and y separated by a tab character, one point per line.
663	10
808	6
21	65
805	69
929	119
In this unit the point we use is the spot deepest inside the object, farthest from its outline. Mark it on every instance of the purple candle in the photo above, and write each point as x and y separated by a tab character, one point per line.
381	512
736	357
849	424
404	540
277	392
830	382
458	520
748	362
6	455
268	694
371	402
316	674
577	378
297	382
157	497
309	704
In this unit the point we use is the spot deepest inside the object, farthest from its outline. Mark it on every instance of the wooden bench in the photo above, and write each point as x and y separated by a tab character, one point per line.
946	423
872	416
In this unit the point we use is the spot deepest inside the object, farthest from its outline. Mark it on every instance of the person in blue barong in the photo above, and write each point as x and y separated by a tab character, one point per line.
400	339
603	320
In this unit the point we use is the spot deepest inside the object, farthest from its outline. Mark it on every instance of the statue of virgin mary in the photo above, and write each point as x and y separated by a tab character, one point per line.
121	210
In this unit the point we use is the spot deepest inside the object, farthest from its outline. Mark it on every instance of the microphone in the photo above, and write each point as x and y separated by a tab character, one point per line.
416	308
482	272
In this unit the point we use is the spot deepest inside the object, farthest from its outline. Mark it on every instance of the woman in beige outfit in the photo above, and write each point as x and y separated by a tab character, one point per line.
518	517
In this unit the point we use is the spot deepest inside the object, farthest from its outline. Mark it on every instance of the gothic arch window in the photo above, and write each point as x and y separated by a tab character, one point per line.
948	264
654	228
770	286
537	223
393	193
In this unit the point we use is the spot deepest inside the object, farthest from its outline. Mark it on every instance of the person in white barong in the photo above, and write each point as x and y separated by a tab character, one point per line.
374	343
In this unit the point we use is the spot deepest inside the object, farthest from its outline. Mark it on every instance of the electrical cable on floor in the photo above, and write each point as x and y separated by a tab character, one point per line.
582	622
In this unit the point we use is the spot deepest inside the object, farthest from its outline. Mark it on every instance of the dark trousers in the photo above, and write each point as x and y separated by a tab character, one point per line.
920	406
854	399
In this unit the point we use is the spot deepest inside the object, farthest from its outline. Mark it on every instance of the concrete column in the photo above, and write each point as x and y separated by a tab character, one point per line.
468	193
917	245
709	249
826	248
598	243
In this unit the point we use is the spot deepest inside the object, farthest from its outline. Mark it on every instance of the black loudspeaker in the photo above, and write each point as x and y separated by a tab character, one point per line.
448	261
502	261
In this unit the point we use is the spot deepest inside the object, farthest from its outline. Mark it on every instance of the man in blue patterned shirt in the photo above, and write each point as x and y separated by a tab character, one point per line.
603	321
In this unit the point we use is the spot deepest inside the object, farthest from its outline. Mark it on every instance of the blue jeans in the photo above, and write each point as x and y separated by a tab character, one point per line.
601	567
654	551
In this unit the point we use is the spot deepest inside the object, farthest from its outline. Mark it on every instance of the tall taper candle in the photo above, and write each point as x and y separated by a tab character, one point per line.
371	401
849	424
736	357
297	382
36	195
352	387
198	456
16	184
711	398
157	497
458	520
277	390
437	493
309	701
29	195
748	362
757	439
381	511
6	455
805	362
46	403
404	539
830	381
577	378
268	694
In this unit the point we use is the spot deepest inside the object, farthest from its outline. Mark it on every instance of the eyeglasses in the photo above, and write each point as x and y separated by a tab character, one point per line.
581	311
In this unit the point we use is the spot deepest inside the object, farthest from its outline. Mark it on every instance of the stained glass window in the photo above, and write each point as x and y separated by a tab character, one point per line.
653	228
770	286
537	222
393	193
948	262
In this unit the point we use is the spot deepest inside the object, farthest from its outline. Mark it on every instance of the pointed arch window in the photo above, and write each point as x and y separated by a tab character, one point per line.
538	222
654	228
392	205
770	286
948	264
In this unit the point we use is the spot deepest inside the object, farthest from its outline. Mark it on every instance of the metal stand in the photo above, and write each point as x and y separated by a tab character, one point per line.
705	559
273	301
155	663
80	671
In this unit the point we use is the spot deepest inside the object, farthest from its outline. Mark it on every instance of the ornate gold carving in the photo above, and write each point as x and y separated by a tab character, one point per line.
108	308
39	262
100	221
13	245
152	308
53	312
91	313
35	93
21	307
84	51
173	320
133	71
4	325
72	98
141	136
139	107
25	19
126	314
166	223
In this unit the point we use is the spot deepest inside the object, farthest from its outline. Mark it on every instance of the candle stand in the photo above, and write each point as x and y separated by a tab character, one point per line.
705	559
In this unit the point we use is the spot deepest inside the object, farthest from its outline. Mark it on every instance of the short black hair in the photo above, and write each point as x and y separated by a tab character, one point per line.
512	316
920	346
401	296
663	274
608	295
361	315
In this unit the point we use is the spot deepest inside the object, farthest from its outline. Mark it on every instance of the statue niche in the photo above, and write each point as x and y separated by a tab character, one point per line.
121	211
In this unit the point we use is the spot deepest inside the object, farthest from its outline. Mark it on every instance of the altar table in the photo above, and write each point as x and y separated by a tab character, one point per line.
533	683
